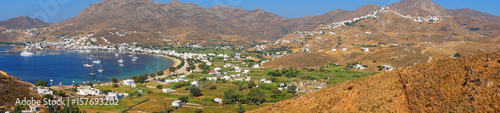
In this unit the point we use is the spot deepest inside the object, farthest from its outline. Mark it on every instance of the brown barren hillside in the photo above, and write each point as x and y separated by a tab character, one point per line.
11	89
467	84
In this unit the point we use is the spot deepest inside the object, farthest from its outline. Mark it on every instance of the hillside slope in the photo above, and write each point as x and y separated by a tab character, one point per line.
22	22
11	89
467	84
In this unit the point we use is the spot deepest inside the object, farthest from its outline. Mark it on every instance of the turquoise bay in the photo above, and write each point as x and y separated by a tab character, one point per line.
66	66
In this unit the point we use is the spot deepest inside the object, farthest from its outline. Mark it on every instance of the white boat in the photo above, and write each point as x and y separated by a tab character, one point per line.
26	53
130	55
134	57
96	62
100	69
133	60
121	65
120	61
117	55
86	64
92	71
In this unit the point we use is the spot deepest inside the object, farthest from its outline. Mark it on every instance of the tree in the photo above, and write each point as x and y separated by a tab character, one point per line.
159	86
41	83
90	84
60	93
114	80
457	55
195	91
240	108
106	91
159	73
198	111
115	85
291	89
256	96
184	98
18	108
171	69
230	97
251	84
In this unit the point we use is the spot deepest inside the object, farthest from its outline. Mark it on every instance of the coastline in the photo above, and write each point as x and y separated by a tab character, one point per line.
176	61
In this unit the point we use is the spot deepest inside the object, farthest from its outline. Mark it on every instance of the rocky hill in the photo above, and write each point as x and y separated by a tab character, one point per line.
311	22
421	8
467	84
22	22
423	38
176	21
475	13
12	88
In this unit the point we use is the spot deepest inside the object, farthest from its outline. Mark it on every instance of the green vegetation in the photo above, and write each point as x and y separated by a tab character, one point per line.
195	91
114	80
457	55
41	83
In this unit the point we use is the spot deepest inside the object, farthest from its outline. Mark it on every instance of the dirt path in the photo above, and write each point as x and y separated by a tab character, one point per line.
430	57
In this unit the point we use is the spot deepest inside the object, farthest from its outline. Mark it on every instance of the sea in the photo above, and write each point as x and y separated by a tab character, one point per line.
67	66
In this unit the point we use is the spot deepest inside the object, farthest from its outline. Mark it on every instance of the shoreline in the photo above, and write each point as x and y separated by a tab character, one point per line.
176	62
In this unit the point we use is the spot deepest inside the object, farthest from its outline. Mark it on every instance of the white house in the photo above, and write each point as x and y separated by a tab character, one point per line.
177	103
211	78
333	49
195	83
31	109
168	81
43	91
217	69
88	91
218	100
128	82
366	50
114	96
168	90
359	66
344	49
226	78
268	81
256	66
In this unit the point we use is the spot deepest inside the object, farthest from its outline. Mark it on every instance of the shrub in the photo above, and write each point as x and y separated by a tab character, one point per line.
114	80
115	85
41	83
159	86
184	98
179	85
212	87
195	91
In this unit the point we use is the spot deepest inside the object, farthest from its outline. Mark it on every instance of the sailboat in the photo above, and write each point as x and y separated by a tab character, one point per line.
97	61
134	58
86	64
120	60
92	71
100	69
117	55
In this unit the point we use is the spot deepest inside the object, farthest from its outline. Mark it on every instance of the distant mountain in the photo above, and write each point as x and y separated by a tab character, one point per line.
22	22
177	21
311	22
479	14
422	8
453	85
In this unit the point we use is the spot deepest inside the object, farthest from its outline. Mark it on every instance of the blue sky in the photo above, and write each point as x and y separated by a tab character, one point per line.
59	10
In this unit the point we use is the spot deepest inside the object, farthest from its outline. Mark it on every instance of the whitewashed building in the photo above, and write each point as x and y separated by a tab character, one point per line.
168	90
